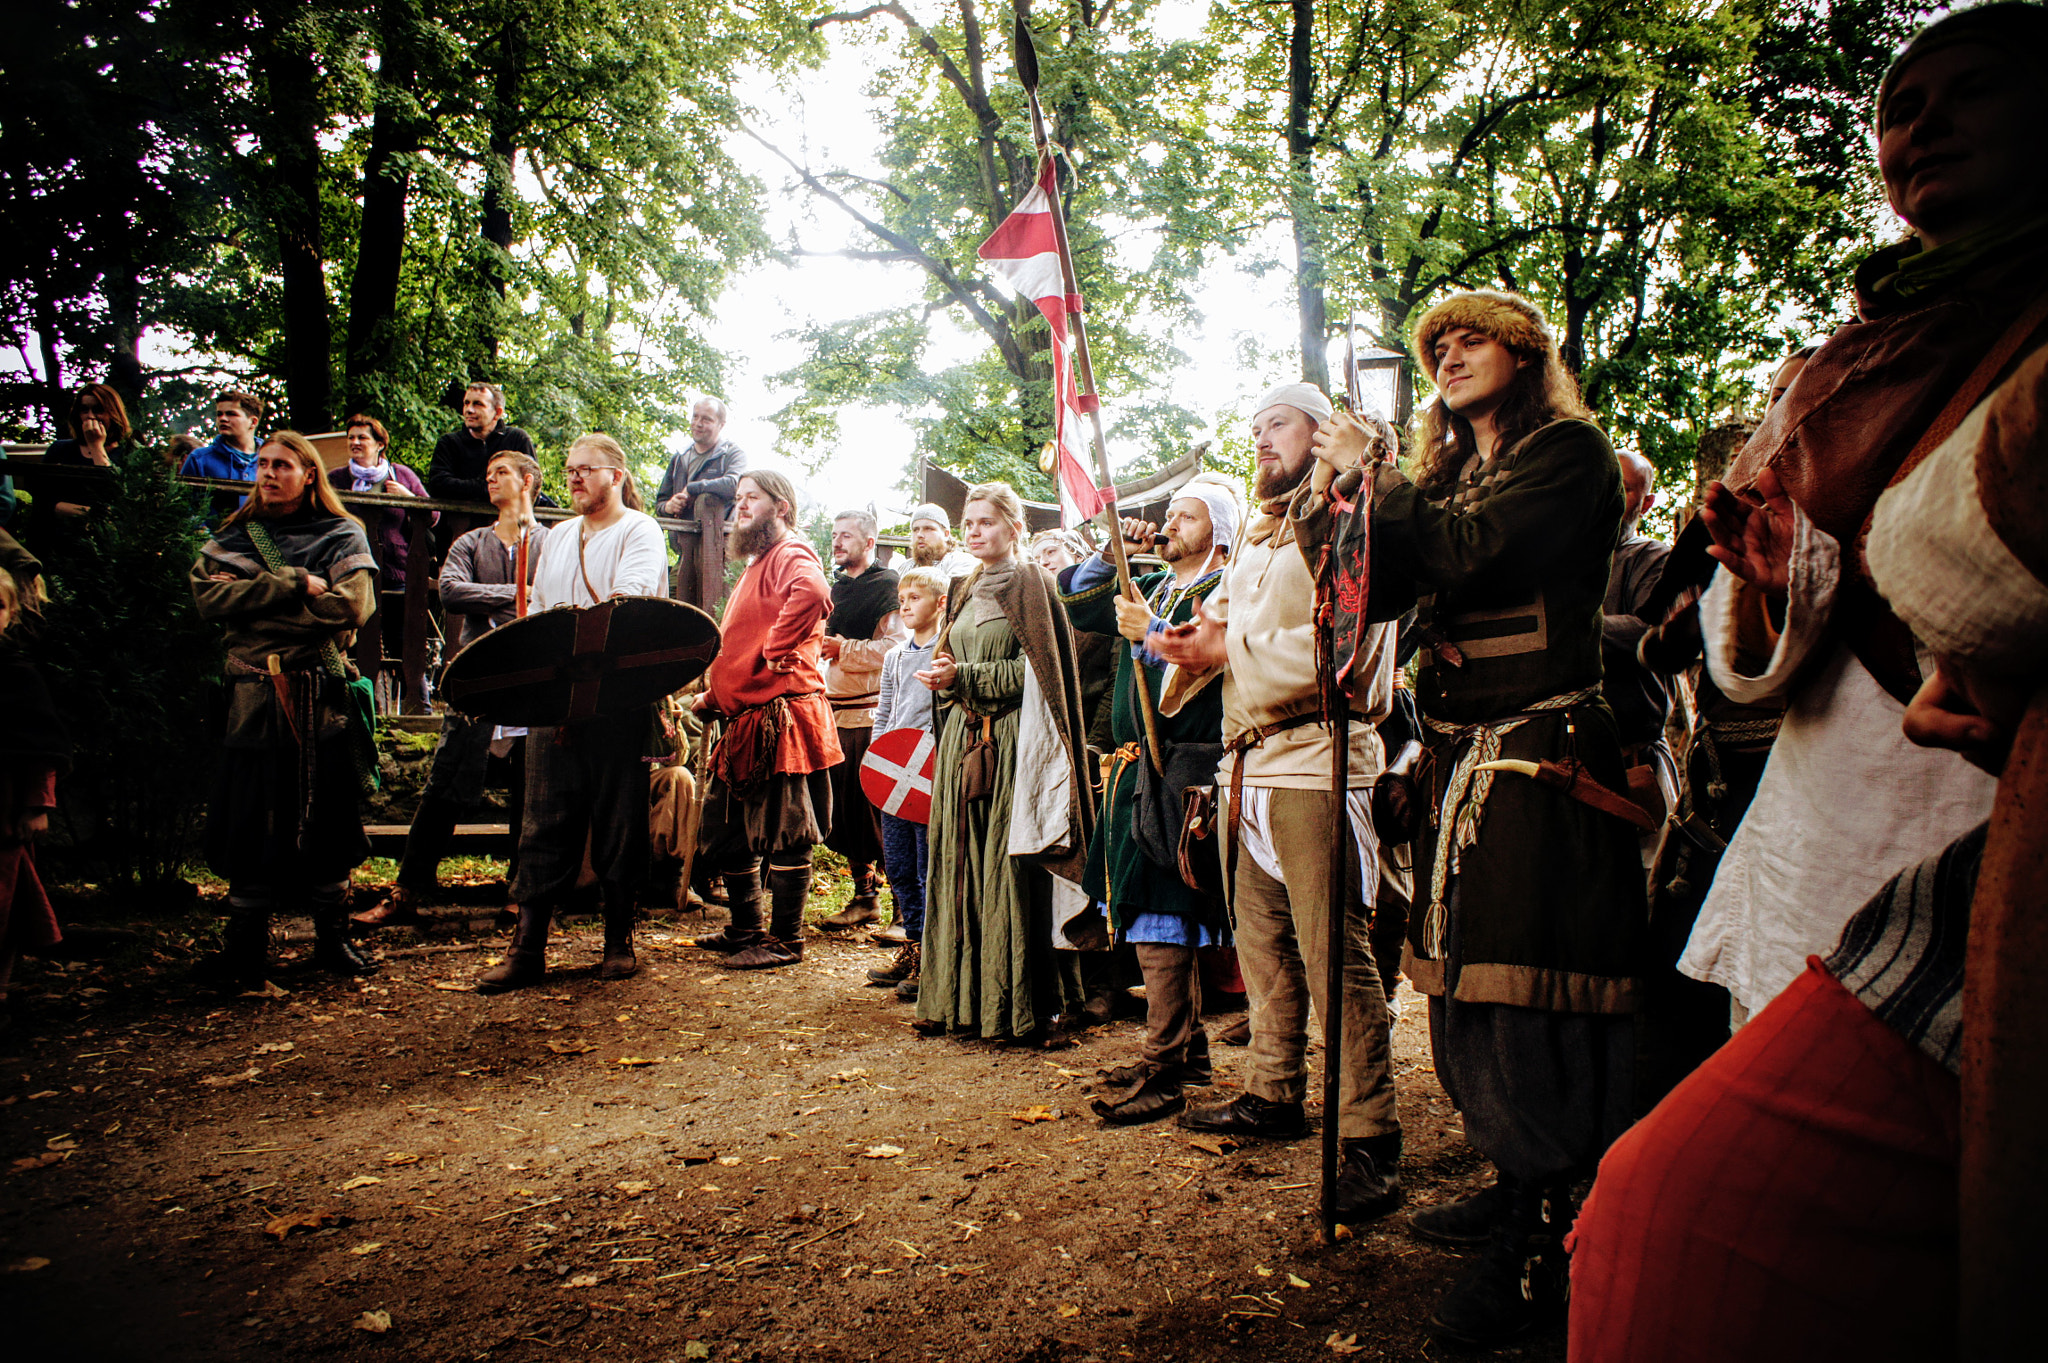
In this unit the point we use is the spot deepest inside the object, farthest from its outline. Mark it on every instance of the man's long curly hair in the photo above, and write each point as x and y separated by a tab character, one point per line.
1543	390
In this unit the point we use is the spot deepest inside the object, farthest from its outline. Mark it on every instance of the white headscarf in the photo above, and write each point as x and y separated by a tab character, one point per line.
1305	397
1221	500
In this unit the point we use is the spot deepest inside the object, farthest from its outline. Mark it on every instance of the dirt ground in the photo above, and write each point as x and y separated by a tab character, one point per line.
691	1164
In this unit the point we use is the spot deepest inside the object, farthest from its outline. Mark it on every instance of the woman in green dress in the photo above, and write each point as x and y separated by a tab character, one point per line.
1005	915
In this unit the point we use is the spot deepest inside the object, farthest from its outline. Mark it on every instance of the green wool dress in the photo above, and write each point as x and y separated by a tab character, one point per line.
989	962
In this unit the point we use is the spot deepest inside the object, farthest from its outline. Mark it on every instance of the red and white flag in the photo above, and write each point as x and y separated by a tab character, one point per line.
1024	250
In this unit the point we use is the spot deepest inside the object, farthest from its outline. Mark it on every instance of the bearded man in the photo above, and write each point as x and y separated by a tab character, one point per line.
1150	906
1259	630
770	794
585	782
932	544
863	627
291	576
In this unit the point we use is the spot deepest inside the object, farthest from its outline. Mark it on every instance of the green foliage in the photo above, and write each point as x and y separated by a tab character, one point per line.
131	667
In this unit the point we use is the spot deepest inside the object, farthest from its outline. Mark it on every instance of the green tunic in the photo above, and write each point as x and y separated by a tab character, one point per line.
1118	872
989	962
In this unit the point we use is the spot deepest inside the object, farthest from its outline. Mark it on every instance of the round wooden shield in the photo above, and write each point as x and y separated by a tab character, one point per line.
897	773
580	662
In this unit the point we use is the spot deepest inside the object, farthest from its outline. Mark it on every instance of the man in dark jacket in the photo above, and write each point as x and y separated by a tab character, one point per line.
710	467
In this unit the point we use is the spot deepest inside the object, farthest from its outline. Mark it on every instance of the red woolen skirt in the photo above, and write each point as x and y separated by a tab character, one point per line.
1795	1199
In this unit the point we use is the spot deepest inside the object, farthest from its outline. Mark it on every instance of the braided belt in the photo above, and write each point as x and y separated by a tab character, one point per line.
1465	796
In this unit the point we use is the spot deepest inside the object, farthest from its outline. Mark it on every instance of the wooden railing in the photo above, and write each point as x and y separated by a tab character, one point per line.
698	576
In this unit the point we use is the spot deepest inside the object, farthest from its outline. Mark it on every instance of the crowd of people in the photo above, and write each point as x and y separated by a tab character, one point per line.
1678	841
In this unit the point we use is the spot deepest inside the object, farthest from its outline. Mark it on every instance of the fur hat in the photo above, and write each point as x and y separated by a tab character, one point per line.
1508	318
1958	547
933	512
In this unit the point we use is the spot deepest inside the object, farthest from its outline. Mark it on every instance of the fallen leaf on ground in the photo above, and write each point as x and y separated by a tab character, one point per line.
63	1142
846	1076
46	1093
367	1247
455	986
1348	1344
634	1186
397	1157
1070	1310
632	1060
696	1348
583	1280
1037	1113
881	1152
1220	1145
28	1265
273	1047
570	1047
215	1081
1293	1281
376	1322
728	1159
42	1161
360	1181
1343	1233
1263	1271
285	1225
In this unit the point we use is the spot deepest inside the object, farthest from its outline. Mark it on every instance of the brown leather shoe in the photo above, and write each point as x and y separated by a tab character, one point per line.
766	954
726	940
394	910
862	908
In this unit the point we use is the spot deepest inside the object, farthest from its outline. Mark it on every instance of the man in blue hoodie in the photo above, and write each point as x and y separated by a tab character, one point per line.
232	453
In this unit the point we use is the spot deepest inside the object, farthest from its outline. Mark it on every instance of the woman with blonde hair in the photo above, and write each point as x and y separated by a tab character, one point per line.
1012	805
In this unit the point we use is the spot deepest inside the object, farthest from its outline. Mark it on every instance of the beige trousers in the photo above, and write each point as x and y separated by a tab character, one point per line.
1282	936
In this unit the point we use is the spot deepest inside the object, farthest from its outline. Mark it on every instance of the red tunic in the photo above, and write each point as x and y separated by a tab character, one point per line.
1794	1199
777	611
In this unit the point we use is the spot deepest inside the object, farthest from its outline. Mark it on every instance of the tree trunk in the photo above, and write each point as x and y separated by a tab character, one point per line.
1301	197
380	242
498	183
290	136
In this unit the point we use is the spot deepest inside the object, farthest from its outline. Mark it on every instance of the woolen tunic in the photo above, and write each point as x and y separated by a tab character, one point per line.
989	964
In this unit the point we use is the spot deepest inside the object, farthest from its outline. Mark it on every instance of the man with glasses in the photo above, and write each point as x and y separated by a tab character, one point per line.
585	782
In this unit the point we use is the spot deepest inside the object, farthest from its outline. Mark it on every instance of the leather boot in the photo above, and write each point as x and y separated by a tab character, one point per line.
789	888
1368	1178
864	907
525	961
619	962
743	896
1159	1093
1468	1222
243	960
1519	1279
898	970
1249	1115
333	952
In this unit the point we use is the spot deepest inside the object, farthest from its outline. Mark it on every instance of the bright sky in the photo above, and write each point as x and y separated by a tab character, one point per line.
828	122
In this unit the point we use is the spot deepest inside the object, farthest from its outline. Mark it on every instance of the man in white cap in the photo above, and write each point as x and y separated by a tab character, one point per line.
932	544
1163	919
1258	628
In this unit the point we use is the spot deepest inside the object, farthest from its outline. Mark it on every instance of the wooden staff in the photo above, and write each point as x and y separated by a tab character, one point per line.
1084	370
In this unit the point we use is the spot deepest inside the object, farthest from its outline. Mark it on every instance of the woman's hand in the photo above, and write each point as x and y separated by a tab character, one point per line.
1198	645
92	439
1752	531
941	673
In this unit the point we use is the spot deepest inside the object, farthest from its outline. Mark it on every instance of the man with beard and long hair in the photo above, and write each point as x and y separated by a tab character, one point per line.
291	576
1529	936
1258	628
770	794
863	627
585	782
1150	906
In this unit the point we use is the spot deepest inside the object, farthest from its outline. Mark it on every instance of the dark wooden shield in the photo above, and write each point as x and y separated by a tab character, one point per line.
579	662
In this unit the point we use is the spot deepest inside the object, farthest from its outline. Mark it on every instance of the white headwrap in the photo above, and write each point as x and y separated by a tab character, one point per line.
1305	397
933	512
1221	500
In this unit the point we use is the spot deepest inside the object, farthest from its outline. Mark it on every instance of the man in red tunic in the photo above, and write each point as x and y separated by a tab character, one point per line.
771	790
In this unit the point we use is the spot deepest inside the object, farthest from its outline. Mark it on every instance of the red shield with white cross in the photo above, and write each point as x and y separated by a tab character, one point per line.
897	773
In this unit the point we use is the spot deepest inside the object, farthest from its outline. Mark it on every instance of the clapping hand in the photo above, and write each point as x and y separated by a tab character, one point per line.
1752	531
941	673
1198	645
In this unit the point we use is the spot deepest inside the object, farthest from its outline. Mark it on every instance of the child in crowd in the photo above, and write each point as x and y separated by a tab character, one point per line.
907	704
31	752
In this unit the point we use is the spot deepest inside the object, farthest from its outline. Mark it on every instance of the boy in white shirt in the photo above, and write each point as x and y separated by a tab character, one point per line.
907	704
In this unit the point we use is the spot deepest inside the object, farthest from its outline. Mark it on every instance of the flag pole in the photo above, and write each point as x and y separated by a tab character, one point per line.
1084	369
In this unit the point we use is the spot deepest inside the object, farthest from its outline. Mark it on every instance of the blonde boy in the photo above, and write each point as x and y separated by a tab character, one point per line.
906	704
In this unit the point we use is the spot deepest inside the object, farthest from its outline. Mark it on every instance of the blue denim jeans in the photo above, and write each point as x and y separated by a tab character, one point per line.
904	857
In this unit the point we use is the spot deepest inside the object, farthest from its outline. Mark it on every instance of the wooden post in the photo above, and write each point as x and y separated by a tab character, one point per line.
710	514
2005	1062
419	538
